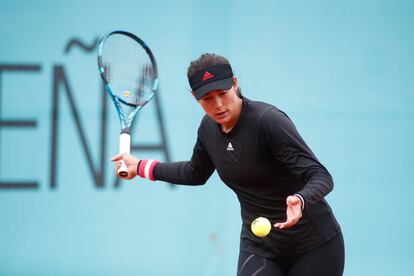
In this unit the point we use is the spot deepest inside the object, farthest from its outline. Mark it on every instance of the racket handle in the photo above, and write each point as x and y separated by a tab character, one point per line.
124	147
123	170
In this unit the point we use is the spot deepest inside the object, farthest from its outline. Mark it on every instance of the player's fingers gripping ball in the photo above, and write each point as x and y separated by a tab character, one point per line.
261	227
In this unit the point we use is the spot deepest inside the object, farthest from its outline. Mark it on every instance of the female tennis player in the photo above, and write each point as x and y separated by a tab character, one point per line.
259	154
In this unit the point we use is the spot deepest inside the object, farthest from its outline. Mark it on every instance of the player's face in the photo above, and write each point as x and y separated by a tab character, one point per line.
223	106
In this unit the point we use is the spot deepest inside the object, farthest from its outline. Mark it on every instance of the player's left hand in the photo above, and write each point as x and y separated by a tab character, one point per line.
293	213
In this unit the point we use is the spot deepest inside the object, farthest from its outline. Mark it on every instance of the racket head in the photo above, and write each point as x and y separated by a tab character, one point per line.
129	71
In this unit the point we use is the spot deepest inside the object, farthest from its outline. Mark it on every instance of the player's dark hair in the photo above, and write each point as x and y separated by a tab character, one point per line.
207	60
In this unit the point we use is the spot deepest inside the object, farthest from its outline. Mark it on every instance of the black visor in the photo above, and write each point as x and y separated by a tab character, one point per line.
218	77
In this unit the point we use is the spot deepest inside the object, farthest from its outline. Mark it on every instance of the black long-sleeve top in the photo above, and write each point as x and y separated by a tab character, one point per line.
263	159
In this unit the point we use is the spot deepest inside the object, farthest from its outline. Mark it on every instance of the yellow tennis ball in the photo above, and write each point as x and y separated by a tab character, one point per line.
126	93
261	227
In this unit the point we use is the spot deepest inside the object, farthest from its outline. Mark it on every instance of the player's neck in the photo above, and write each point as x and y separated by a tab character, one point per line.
228	126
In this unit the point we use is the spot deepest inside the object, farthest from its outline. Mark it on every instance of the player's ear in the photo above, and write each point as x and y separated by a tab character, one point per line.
235	83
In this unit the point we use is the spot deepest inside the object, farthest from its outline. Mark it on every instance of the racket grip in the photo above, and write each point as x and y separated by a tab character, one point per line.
123	170
124	147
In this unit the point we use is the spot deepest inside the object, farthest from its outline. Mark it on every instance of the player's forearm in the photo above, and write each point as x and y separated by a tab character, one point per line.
181	173
317	186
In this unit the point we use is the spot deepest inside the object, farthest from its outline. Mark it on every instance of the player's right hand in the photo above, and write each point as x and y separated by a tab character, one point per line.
130	161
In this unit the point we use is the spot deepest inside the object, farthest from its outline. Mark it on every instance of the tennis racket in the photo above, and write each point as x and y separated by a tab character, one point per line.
129	72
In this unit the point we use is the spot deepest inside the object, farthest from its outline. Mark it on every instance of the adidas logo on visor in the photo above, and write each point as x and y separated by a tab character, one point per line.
207	75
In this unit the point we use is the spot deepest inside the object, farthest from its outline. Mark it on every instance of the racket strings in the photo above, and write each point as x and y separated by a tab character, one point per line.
145	85
129	70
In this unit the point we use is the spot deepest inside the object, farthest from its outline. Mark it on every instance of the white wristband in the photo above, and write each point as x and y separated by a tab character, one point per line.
301	199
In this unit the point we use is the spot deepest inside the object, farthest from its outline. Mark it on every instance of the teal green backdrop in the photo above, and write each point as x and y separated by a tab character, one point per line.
342	70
